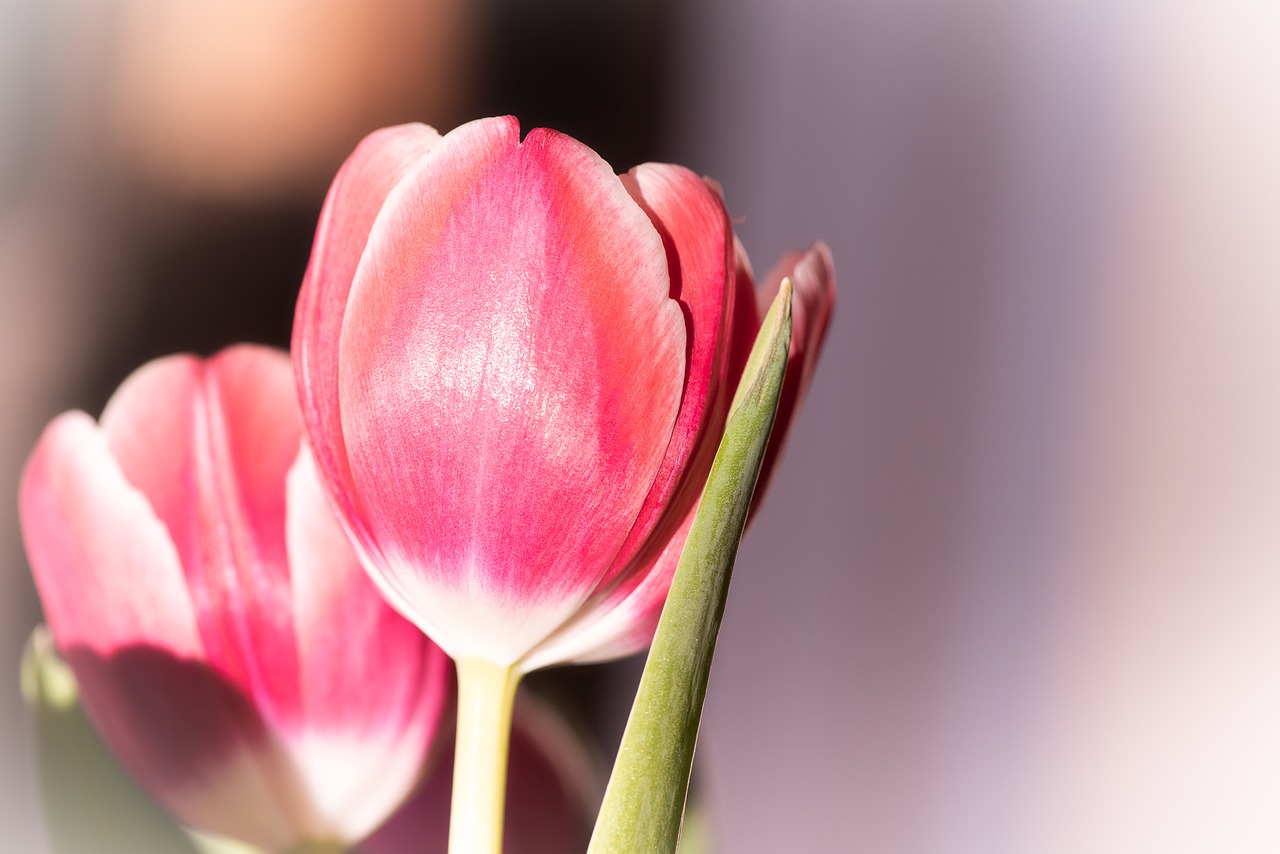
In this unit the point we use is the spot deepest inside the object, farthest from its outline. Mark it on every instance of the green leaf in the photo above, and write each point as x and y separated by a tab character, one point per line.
644	803
91	804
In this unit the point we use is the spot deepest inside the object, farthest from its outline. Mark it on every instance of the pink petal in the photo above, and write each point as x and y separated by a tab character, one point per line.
374	688
380	161
510	374
117	602
620	618
105	566
253	438
747	314
696	232
624	621
813	276
193	740
150	427
210	442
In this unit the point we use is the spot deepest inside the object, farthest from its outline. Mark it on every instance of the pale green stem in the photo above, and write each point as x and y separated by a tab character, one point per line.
208	844
221	845
486	693
319	848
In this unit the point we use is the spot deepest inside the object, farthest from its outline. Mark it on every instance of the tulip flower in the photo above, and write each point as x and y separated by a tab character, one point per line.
227	645
515	367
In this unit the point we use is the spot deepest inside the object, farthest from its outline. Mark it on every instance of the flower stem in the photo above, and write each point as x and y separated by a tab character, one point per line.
486	692
313	847
208	844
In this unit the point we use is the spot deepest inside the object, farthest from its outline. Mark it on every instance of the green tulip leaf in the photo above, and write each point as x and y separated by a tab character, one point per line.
644	803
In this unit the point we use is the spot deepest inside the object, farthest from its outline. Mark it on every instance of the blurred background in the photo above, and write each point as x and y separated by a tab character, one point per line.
1017	585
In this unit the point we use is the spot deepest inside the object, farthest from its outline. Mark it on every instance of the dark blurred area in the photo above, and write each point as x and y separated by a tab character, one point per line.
209	197
1015	586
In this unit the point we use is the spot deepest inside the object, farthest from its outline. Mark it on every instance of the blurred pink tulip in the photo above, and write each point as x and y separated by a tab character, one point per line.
227	645
515	368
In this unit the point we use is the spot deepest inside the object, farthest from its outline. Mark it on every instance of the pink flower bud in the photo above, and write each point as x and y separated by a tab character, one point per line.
515	368
227	645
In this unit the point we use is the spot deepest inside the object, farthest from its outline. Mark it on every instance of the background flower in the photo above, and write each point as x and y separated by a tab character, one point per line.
226	643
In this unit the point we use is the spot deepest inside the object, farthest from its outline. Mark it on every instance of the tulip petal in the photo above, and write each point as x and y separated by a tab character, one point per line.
117	603
90	802
194	740
813	279
623	622
251	440
511	372
149	425
353	203
360	749
696	233
209	443
623	619
85	529
747	312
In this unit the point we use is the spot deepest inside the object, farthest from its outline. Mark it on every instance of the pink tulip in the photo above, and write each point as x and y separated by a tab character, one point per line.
227	645
515	368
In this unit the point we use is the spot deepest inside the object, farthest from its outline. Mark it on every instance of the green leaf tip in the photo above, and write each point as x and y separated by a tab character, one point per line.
775	329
